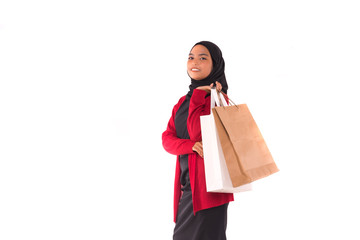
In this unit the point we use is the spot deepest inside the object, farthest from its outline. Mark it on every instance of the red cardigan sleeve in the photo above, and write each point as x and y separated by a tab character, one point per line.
171	143
199	105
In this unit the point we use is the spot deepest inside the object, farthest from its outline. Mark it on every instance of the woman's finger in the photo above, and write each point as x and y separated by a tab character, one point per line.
201	153
198	148
218	86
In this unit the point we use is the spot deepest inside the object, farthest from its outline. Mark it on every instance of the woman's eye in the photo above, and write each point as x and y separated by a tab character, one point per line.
202	58
190	58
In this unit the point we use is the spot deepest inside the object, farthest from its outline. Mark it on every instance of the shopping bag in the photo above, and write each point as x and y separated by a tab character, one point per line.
246	153
216	172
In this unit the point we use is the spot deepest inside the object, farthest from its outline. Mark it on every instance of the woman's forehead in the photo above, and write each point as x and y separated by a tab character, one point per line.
199	50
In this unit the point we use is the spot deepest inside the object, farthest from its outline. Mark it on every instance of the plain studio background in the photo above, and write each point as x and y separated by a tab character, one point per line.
87	88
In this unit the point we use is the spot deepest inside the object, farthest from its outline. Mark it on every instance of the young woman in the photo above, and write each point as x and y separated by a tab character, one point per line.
198	214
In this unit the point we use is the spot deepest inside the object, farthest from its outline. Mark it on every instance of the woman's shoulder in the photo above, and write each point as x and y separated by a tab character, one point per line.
181	100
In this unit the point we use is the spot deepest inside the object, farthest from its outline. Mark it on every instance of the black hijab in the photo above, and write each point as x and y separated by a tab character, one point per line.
217	73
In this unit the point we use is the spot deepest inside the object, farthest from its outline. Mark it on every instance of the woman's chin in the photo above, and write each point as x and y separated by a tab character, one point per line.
196	77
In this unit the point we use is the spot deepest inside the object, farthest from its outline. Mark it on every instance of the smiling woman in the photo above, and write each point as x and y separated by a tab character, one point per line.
199	64
198	214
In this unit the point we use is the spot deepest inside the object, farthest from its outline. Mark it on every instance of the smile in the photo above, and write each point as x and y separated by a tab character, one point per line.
195	69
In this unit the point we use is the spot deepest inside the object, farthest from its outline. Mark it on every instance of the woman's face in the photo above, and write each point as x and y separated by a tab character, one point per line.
199	63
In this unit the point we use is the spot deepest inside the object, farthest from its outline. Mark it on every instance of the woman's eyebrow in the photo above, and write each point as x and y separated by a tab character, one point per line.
201	54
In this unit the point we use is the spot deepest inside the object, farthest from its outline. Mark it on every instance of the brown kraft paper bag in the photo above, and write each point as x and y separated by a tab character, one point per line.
246	154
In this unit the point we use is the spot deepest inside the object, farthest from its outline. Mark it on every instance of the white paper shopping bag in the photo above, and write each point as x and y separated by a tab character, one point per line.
216	172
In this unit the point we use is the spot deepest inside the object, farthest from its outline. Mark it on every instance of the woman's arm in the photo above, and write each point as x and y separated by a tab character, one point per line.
171	143
199	105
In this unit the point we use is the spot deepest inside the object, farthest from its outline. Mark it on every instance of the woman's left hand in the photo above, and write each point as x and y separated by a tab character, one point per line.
208	88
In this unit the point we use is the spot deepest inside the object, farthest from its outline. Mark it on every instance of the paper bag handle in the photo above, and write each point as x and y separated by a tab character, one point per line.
228	99
220	102
215	98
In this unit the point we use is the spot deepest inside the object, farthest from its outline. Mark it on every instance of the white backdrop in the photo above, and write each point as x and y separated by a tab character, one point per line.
87	88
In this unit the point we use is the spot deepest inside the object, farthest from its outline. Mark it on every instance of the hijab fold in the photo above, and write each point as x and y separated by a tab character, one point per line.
218	70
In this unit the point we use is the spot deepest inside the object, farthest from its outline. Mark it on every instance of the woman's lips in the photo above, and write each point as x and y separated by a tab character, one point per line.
195	69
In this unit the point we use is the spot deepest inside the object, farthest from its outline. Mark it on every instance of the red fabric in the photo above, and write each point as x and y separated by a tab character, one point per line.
199	105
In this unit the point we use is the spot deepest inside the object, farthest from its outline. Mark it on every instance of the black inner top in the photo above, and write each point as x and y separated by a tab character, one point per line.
182	132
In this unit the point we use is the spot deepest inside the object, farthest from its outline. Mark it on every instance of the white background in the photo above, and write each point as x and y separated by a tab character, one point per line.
87	88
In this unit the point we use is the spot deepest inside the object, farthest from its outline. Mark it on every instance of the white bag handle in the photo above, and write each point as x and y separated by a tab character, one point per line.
215	99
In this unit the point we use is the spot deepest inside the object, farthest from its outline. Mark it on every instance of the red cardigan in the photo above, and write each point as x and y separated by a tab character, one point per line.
199	105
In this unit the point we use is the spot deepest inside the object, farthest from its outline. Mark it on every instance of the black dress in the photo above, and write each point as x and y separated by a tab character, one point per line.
207	224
